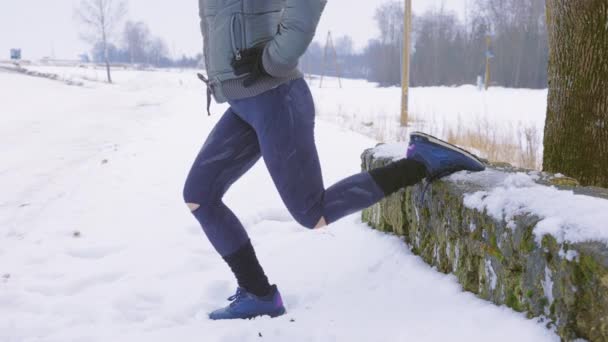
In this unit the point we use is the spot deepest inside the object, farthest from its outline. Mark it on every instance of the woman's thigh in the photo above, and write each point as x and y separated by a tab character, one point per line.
230	150
284	120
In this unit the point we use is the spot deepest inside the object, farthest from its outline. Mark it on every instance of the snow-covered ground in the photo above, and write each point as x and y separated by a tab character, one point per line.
500	124
96	244
433	109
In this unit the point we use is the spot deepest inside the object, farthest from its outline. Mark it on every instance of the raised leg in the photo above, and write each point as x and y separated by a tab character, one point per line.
284	119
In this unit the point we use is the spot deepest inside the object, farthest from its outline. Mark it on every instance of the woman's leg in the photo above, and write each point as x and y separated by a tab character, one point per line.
284	120
230	150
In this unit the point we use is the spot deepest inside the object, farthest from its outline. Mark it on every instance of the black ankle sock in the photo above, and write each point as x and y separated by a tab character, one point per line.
247	270
398	175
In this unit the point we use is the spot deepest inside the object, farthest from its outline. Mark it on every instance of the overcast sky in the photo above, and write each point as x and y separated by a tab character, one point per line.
47	28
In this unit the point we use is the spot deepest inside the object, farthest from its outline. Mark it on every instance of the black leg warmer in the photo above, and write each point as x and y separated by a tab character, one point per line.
247	270
398	175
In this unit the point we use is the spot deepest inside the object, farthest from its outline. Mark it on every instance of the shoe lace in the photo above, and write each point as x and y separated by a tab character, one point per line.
238	296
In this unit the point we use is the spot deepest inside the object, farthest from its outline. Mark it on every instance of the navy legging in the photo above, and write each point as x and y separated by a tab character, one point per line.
277	125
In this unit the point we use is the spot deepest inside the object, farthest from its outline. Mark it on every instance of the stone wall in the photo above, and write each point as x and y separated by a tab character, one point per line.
565	285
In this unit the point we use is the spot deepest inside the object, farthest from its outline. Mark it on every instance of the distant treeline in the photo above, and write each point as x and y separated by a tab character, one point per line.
139	46
447	50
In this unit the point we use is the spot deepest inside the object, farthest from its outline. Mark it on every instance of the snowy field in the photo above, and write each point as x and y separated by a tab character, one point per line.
500	124
96	244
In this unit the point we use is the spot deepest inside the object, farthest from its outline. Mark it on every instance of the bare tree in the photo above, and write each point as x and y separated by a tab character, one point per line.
389	18
519	41
99	19
137	38
440	50
384	54
344	46
157	50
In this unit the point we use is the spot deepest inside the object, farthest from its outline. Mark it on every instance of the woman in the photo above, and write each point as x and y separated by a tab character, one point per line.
251	50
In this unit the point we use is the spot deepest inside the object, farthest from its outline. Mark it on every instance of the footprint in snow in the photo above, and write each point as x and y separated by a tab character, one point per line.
268	214
137	307
93	252
77	286
95	280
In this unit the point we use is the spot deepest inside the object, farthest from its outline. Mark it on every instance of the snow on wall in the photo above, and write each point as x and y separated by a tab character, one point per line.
565	215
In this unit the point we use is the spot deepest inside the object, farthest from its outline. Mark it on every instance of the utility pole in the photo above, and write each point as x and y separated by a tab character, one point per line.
329	44
489	56
405	64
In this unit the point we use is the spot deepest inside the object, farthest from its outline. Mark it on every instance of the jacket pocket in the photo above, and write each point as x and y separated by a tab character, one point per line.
261	28
220	50
237	35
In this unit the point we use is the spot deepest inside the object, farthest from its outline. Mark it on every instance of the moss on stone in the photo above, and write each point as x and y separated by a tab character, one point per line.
493	242
494	252
512	302
564	181
527	244
471	274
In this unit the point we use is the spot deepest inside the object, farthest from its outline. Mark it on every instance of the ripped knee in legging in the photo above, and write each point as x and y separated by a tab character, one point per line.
322	223
193	206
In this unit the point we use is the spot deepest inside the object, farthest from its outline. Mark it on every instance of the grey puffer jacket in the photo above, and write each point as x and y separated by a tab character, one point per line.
230	26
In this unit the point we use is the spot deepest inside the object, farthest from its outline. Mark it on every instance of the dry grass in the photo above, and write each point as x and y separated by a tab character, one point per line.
519	145
530	156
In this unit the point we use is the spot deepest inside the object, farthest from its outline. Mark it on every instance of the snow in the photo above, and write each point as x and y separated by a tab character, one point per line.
498	124
498	115
433	105
394	151
570	255
493	278
567	216
97	245
547	285
456	257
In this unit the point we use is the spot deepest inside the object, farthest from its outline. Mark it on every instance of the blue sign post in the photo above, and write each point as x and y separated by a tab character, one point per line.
16	54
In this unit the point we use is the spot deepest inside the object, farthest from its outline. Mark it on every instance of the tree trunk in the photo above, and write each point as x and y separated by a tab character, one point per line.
108	70
106	56
576	130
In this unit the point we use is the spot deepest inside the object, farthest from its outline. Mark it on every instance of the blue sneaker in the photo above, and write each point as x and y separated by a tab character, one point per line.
246	305
441	158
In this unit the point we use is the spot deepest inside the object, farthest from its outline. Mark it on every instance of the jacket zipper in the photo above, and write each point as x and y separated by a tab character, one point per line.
235	48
